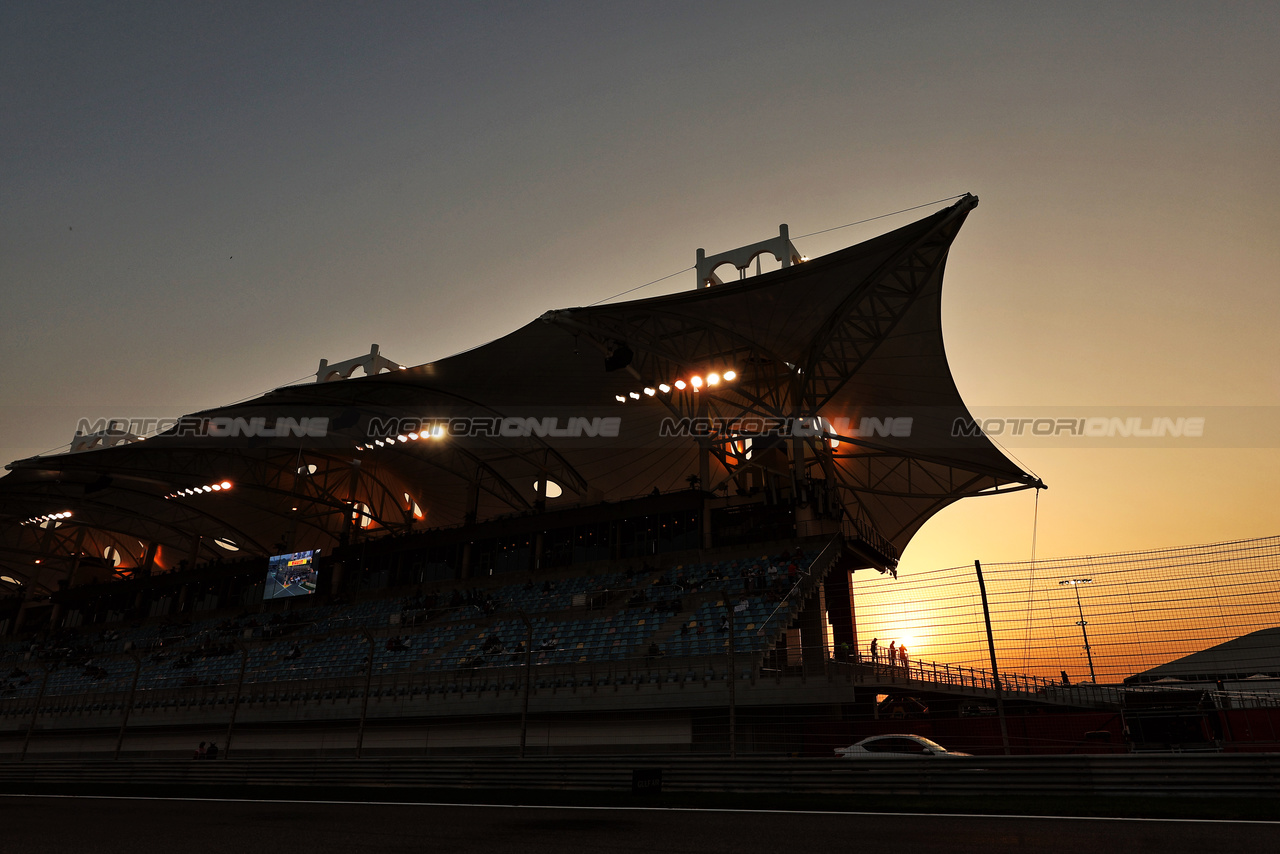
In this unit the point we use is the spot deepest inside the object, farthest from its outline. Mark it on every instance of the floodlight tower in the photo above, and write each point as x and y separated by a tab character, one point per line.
1075	584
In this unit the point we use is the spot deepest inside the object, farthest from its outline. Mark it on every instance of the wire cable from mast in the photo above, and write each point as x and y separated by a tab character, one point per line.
801	237
638	287
881	216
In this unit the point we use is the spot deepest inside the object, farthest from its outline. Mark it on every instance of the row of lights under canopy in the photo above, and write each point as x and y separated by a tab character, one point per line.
696	382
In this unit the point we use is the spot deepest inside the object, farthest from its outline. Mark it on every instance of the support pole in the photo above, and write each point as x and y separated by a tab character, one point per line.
128	706
991	648
528	668
56	616
35	710
733	689
235	705
364	706
21	613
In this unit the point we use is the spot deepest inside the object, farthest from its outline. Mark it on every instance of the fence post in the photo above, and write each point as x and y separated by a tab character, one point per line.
364	705
991	648
528	668
128	706
733	679
35	710
235	705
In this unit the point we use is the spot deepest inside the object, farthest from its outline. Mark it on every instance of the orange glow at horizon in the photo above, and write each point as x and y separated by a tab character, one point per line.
1143	609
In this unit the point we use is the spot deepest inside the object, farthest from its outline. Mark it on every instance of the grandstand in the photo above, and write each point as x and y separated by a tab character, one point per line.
633	526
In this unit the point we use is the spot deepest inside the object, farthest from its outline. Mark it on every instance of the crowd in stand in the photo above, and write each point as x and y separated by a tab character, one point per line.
634	600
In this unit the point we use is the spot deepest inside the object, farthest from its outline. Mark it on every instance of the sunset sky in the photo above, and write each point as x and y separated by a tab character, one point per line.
202	201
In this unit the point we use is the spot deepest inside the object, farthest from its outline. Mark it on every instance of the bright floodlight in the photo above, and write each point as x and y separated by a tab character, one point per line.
649	391
713	379
696	382
402	438
619	398
217	487
552	489
207	488
730	376
413	436
680	384
664	388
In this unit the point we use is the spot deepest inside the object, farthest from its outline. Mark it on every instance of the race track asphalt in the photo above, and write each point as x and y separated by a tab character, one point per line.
105	825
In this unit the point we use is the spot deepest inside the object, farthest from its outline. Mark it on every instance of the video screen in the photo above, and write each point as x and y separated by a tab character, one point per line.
291	575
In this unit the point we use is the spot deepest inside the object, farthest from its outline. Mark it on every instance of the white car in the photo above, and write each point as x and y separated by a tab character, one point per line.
896	746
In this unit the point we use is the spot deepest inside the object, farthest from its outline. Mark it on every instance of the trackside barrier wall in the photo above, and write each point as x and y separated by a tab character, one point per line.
1243	775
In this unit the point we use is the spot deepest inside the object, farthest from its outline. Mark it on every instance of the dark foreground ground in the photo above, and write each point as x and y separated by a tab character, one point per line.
106	825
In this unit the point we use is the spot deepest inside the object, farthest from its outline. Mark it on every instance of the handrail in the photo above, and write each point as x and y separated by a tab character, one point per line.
805	578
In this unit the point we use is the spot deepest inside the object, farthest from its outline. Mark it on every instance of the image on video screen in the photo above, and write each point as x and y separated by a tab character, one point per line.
291	575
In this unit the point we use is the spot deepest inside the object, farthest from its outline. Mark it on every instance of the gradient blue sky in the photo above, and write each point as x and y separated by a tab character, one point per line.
198	202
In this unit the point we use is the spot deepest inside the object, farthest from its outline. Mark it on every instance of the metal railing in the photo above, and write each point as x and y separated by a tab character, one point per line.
1175	775
936	674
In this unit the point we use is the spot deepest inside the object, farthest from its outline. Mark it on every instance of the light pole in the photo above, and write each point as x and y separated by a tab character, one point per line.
1075	584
